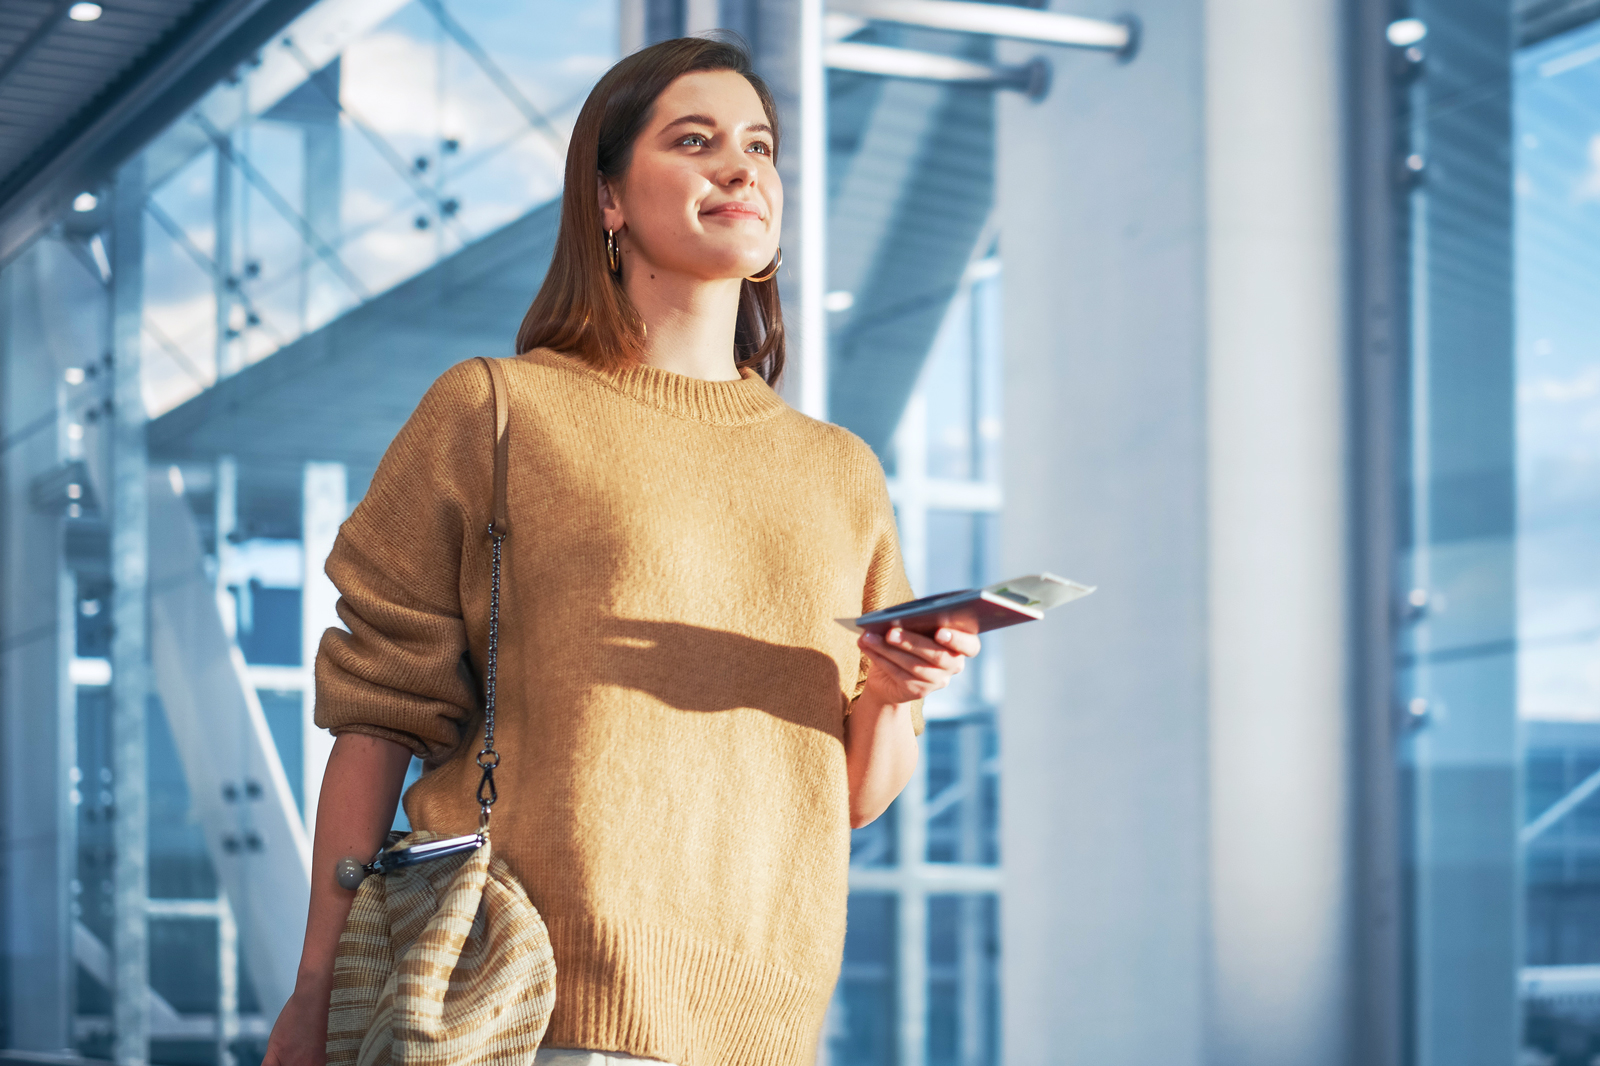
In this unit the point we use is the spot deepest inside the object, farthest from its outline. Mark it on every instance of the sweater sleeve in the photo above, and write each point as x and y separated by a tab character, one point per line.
886	586
402	671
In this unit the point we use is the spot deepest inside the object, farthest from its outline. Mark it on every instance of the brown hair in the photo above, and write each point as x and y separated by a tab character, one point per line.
581	308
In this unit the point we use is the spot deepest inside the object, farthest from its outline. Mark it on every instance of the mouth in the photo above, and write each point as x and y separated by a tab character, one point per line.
737	209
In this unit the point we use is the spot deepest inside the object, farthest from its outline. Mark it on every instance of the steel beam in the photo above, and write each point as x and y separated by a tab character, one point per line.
129	651
1032	78
999	20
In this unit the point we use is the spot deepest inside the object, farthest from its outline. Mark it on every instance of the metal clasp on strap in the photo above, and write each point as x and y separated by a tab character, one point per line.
393	859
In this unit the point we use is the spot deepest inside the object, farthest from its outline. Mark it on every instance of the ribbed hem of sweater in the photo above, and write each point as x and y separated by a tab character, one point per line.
722	403
659	994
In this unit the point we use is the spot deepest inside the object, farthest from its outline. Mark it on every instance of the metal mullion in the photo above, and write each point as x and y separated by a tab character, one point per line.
168	345
209	266
282	206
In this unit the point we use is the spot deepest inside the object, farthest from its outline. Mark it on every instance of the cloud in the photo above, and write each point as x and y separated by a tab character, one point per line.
1589	186
1561	390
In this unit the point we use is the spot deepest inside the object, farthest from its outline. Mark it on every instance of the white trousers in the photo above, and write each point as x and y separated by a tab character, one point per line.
571	1056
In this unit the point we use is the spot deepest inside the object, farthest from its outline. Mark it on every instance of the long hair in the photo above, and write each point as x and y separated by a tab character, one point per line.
582	309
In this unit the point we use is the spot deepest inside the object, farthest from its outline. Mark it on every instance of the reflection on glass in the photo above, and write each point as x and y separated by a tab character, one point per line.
1557	153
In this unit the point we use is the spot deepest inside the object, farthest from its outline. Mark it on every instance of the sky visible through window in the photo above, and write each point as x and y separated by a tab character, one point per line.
1557	156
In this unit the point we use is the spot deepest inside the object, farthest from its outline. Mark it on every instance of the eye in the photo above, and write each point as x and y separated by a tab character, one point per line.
697	140
761	147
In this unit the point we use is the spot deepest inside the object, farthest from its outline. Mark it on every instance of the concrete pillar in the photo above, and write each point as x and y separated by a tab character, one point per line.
37	721
130	687
324	505
788	52
1175	779
1102	213
1277	533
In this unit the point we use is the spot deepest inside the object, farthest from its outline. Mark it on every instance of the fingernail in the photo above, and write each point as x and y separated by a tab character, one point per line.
944	634
873	638
895	635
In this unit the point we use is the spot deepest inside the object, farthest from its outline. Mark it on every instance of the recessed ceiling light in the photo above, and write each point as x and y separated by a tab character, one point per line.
1403	32
84	11
84	201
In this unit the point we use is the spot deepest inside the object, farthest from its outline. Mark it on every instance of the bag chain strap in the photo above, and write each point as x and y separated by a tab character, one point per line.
350	871
489	758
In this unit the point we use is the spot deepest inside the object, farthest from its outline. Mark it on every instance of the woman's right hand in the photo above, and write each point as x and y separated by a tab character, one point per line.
300	1035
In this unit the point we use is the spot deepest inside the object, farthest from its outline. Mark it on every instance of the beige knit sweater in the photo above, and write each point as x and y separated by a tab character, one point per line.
673	686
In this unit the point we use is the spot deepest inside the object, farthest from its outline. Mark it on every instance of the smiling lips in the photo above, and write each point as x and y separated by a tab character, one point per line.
735	209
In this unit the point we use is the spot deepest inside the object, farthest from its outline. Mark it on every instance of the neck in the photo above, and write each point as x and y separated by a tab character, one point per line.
689	322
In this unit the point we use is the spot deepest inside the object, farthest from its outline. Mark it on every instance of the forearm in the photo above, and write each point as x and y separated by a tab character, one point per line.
360	790
880	749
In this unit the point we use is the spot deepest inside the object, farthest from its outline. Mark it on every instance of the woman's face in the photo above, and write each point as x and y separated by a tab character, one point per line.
701	197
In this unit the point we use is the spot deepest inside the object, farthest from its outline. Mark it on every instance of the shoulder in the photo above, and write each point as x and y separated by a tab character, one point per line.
847	454
844	462
463	389
452	419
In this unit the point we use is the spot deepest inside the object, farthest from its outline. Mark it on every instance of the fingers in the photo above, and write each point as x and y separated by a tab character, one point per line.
930	650
913	662
961	643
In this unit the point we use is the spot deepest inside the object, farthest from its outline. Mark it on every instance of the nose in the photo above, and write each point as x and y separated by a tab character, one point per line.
736	168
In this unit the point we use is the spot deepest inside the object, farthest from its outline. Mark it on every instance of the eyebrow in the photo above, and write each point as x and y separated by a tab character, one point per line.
707	120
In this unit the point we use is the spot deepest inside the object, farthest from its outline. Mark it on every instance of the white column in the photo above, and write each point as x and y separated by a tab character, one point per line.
1100	197
325	502
812	320
1276	483
701	15
789	43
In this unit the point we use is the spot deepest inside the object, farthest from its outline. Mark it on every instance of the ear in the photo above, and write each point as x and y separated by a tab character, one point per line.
610	210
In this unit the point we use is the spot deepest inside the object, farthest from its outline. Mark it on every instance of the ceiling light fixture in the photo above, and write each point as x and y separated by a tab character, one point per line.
1405	32
84	11
84	201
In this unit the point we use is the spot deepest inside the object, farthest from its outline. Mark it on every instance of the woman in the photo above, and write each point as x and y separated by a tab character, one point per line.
687	735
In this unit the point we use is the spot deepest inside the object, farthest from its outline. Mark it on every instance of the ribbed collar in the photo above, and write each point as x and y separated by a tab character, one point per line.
721	403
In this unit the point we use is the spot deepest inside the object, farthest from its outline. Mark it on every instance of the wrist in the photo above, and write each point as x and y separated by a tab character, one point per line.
873	704
314	983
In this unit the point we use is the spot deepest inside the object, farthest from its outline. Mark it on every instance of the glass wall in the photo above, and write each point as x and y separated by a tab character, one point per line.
364	144
1499	665
365	147
354	208
1557	158
921	972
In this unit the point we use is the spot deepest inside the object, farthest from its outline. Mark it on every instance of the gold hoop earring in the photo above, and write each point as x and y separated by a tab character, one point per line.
613	256
776	263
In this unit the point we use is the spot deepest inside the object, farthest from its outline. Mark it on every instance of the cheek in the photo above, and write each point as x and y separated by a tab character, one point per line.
775	201
660	200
